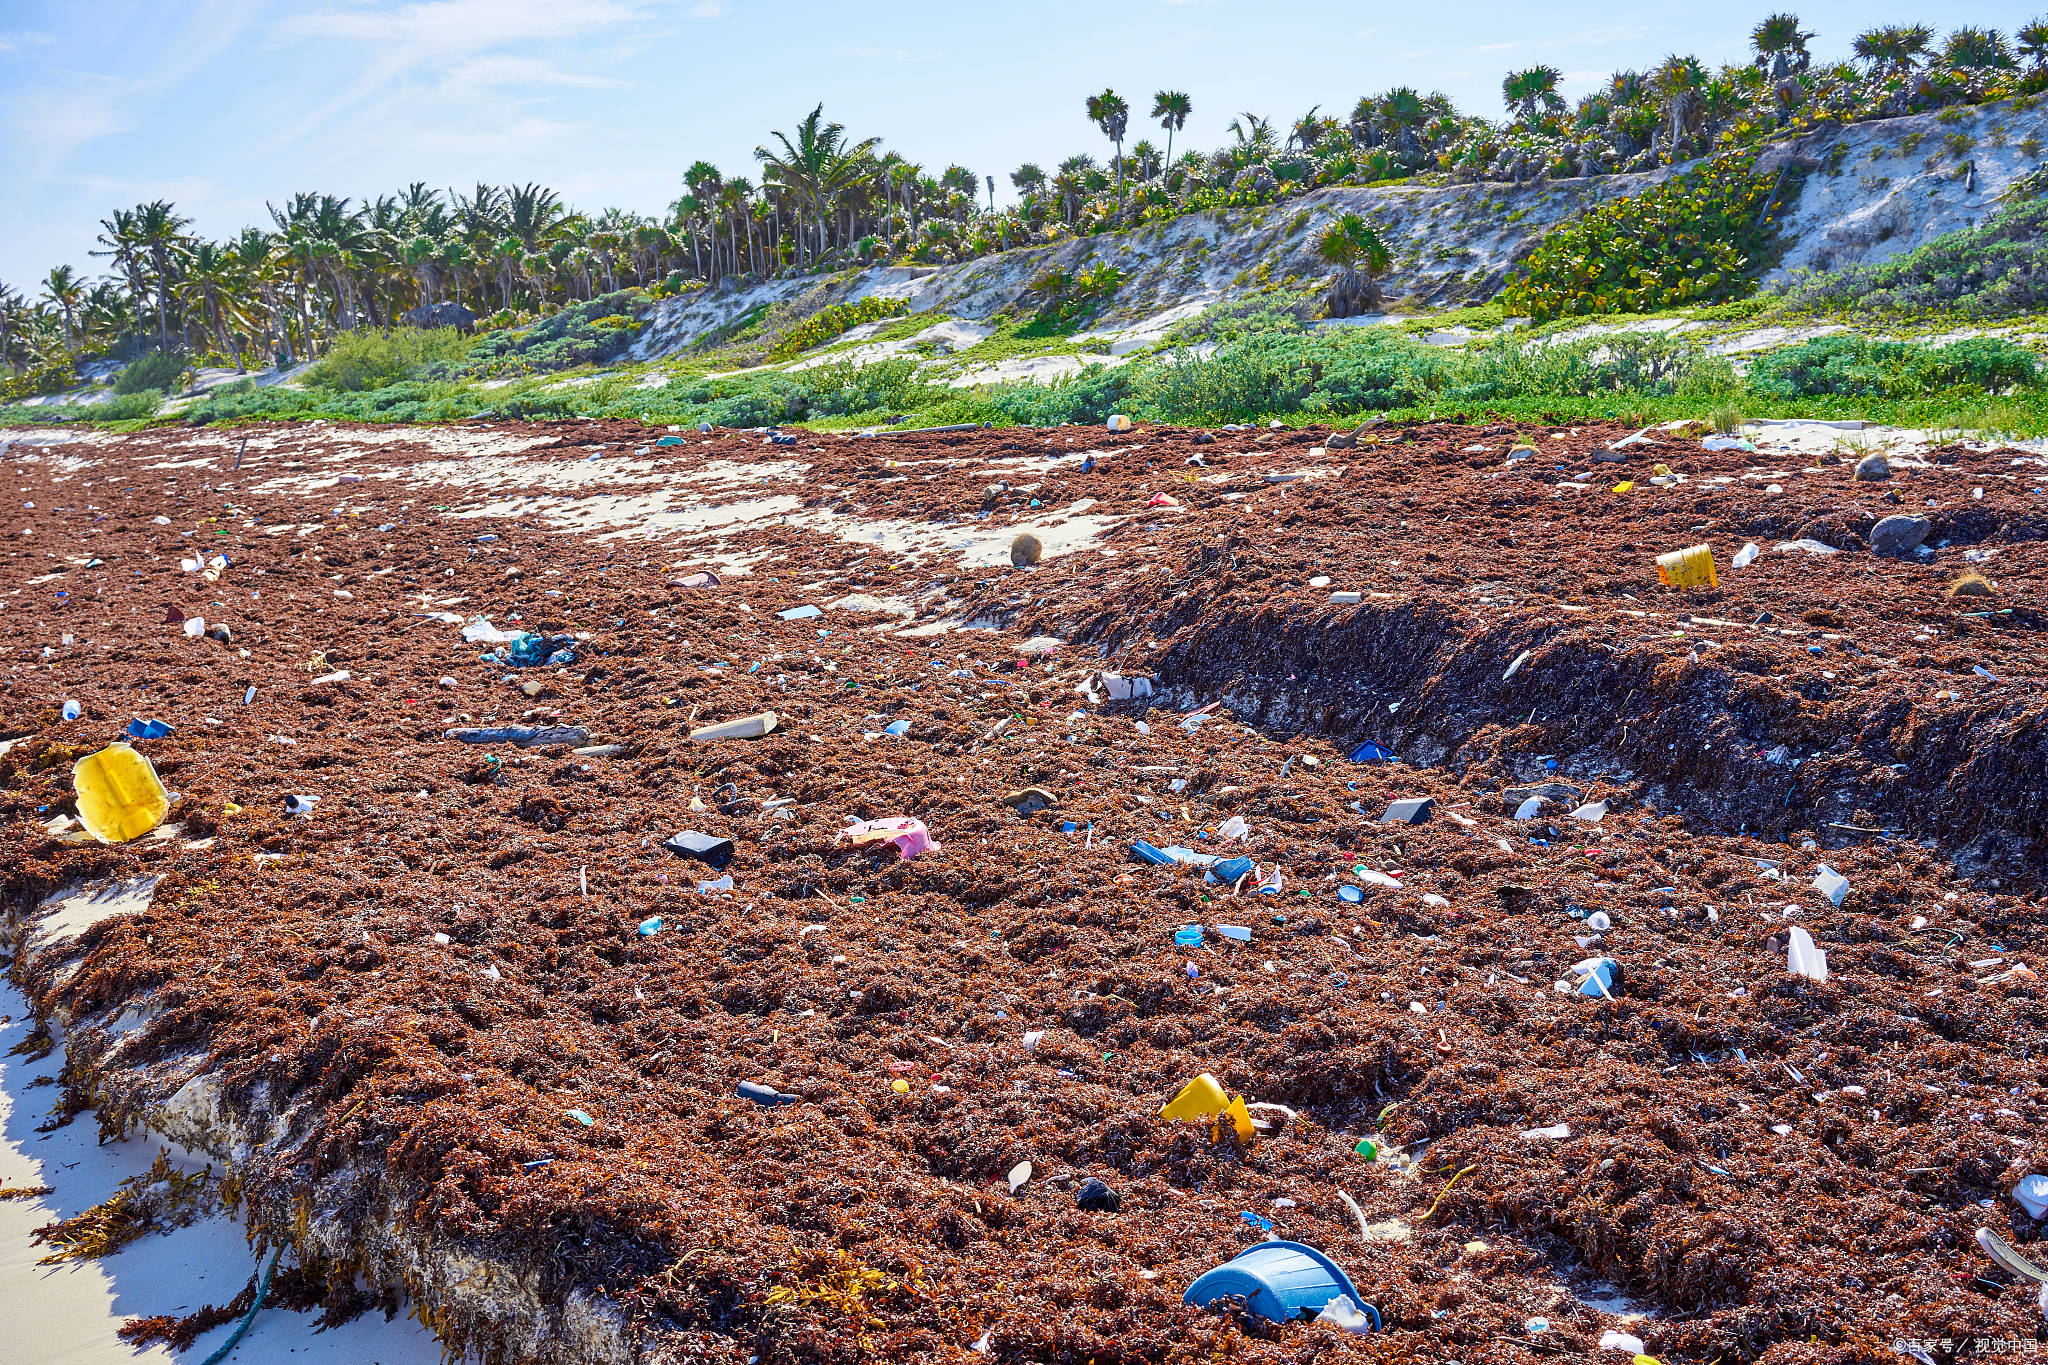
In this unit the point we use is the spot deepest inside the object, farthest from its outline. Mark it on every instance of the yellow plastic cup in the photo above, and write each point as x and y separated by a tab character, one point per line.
1692	567
119	795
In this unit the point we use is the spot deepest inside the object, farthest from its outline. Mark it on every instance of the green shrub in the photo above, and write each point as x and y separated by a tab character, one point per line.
834	320
587	333
1856	367
370	359
159	370
1700	236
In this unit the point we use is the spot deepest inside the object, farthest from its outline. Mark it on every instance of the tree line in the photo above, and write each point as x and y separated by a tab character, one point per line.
326	264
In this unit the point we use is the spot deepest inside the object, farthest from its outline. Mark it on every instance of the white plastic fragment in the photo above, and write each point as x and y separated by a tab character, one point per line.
1612	1340
1831	884
1528	809
1019	1173
1342	1312
1805	958
1745	556
2032	1194
1555	1131
1516	666
1591	813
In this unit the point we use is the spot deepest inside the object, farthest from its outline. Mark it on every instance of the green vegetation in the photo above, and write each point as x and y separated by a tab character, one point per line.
586	333
1322	375
326	265
1698	237
833	320
1994	270
159	370
1857	367
370	359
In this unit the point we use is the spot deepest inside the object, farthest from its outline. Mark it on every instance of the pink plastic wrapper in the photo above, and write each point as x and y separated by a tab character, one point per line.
909	835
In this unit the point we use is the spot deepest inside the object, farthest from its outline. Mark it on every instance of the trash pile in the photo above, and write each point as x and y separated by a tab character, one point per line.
1422	908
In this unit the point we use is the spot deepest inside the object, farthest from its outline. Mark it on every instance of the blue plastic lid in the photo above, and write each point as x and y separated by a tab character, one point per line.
1279	1281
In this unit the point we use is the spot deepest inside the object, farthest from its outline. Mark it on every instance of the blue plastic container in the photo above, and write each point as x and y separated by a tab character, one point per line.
1372	751
1280	1281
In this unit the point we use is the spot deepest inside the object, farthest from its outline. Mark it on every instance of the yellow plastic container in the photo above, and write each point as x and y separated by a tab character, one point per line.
119	796
1202	1100
1692	567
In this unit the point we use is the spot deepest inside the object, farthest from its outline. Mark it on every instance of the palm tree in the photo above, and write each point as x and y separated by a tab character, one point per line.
65	291
208	280
1170	108
1780	46
156	231
815	166
1112	115
118	237
1894	49
1361	257
1977	49
2032	37
1676	84
1526	91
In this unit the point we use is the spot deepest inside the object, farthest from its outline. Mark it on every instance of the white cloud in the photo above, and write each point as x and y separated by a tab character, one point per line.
708	9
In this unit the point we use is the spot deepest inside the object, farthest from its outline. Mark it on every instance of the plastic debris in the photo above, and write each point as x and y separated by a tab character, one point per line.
2032	1194
522	736
1019	1173
582	1118
1236	933
1282	1281
139	728
1188	936
1118	422
745	727
1804	957
72	710
1412	811
1232	829
705	848
119	796
650	926
909	835
1528	809
1692	567
1516	666
1592	813
1611	1340
765	1095
480	631
804	613
1096	1197
1745	556
1556	1132
1597	977
1230	870
1202	1100
300	805
713	888
1831	884
1372	751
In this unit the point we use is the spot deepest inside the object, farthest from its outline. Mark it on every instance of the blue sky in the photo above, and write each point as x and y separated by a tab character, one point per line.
222	105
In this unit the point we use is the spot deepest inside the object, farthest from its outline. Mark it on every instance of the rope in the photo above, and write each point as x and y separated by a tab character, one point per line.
262	1290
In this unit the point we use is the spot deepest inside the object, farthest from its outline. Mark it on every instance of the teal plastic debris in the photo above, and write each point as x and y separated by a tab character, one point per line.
650	926
1188	936
1280	1281
582	1118
670	441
